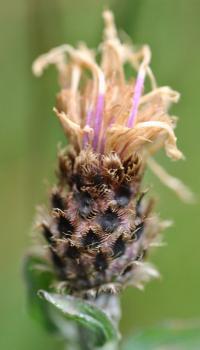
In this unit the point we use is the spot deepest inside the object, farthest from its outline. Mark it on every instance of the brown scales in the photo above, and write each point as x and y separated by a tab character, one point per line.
93	223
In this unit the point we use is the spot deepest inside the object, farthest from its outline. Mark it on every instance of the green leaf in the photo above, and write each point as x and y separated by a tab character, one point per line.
177	335
55	311
37	275
85	314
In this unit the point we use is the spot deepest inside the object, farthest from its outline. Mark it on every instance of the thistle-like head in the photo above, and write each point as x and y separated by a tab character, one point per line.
99	229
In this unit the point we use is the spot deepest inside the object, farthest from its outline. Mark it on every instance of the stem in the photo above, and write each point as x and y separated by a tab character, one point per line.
80	338
83	341
111	306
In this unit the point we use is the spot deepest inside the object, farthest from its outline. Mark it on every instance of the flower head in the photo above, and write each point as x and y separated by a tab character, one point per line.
100	227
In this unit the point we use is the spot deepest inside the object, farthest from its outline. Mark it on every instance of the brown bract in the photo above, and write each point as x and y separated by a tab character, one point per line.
99	227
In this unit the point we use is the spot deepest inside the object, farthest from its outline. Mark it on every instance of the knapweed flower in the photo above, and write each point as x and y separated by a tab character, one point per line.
100	226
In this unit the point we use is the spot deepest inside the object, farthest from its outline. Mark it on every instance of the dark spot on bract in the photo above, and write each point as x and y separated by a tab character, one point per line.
97	179
140	255
73	252
84	201
109	221
58	263
139	230
47	233
139	205
127	270
123	195
119	247
81	272
57	201
91	239
78	180
101	262
64	226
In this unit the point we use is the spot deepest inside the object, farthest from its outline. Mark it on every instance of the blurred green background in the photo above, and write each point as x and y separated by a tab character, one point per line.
29	134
